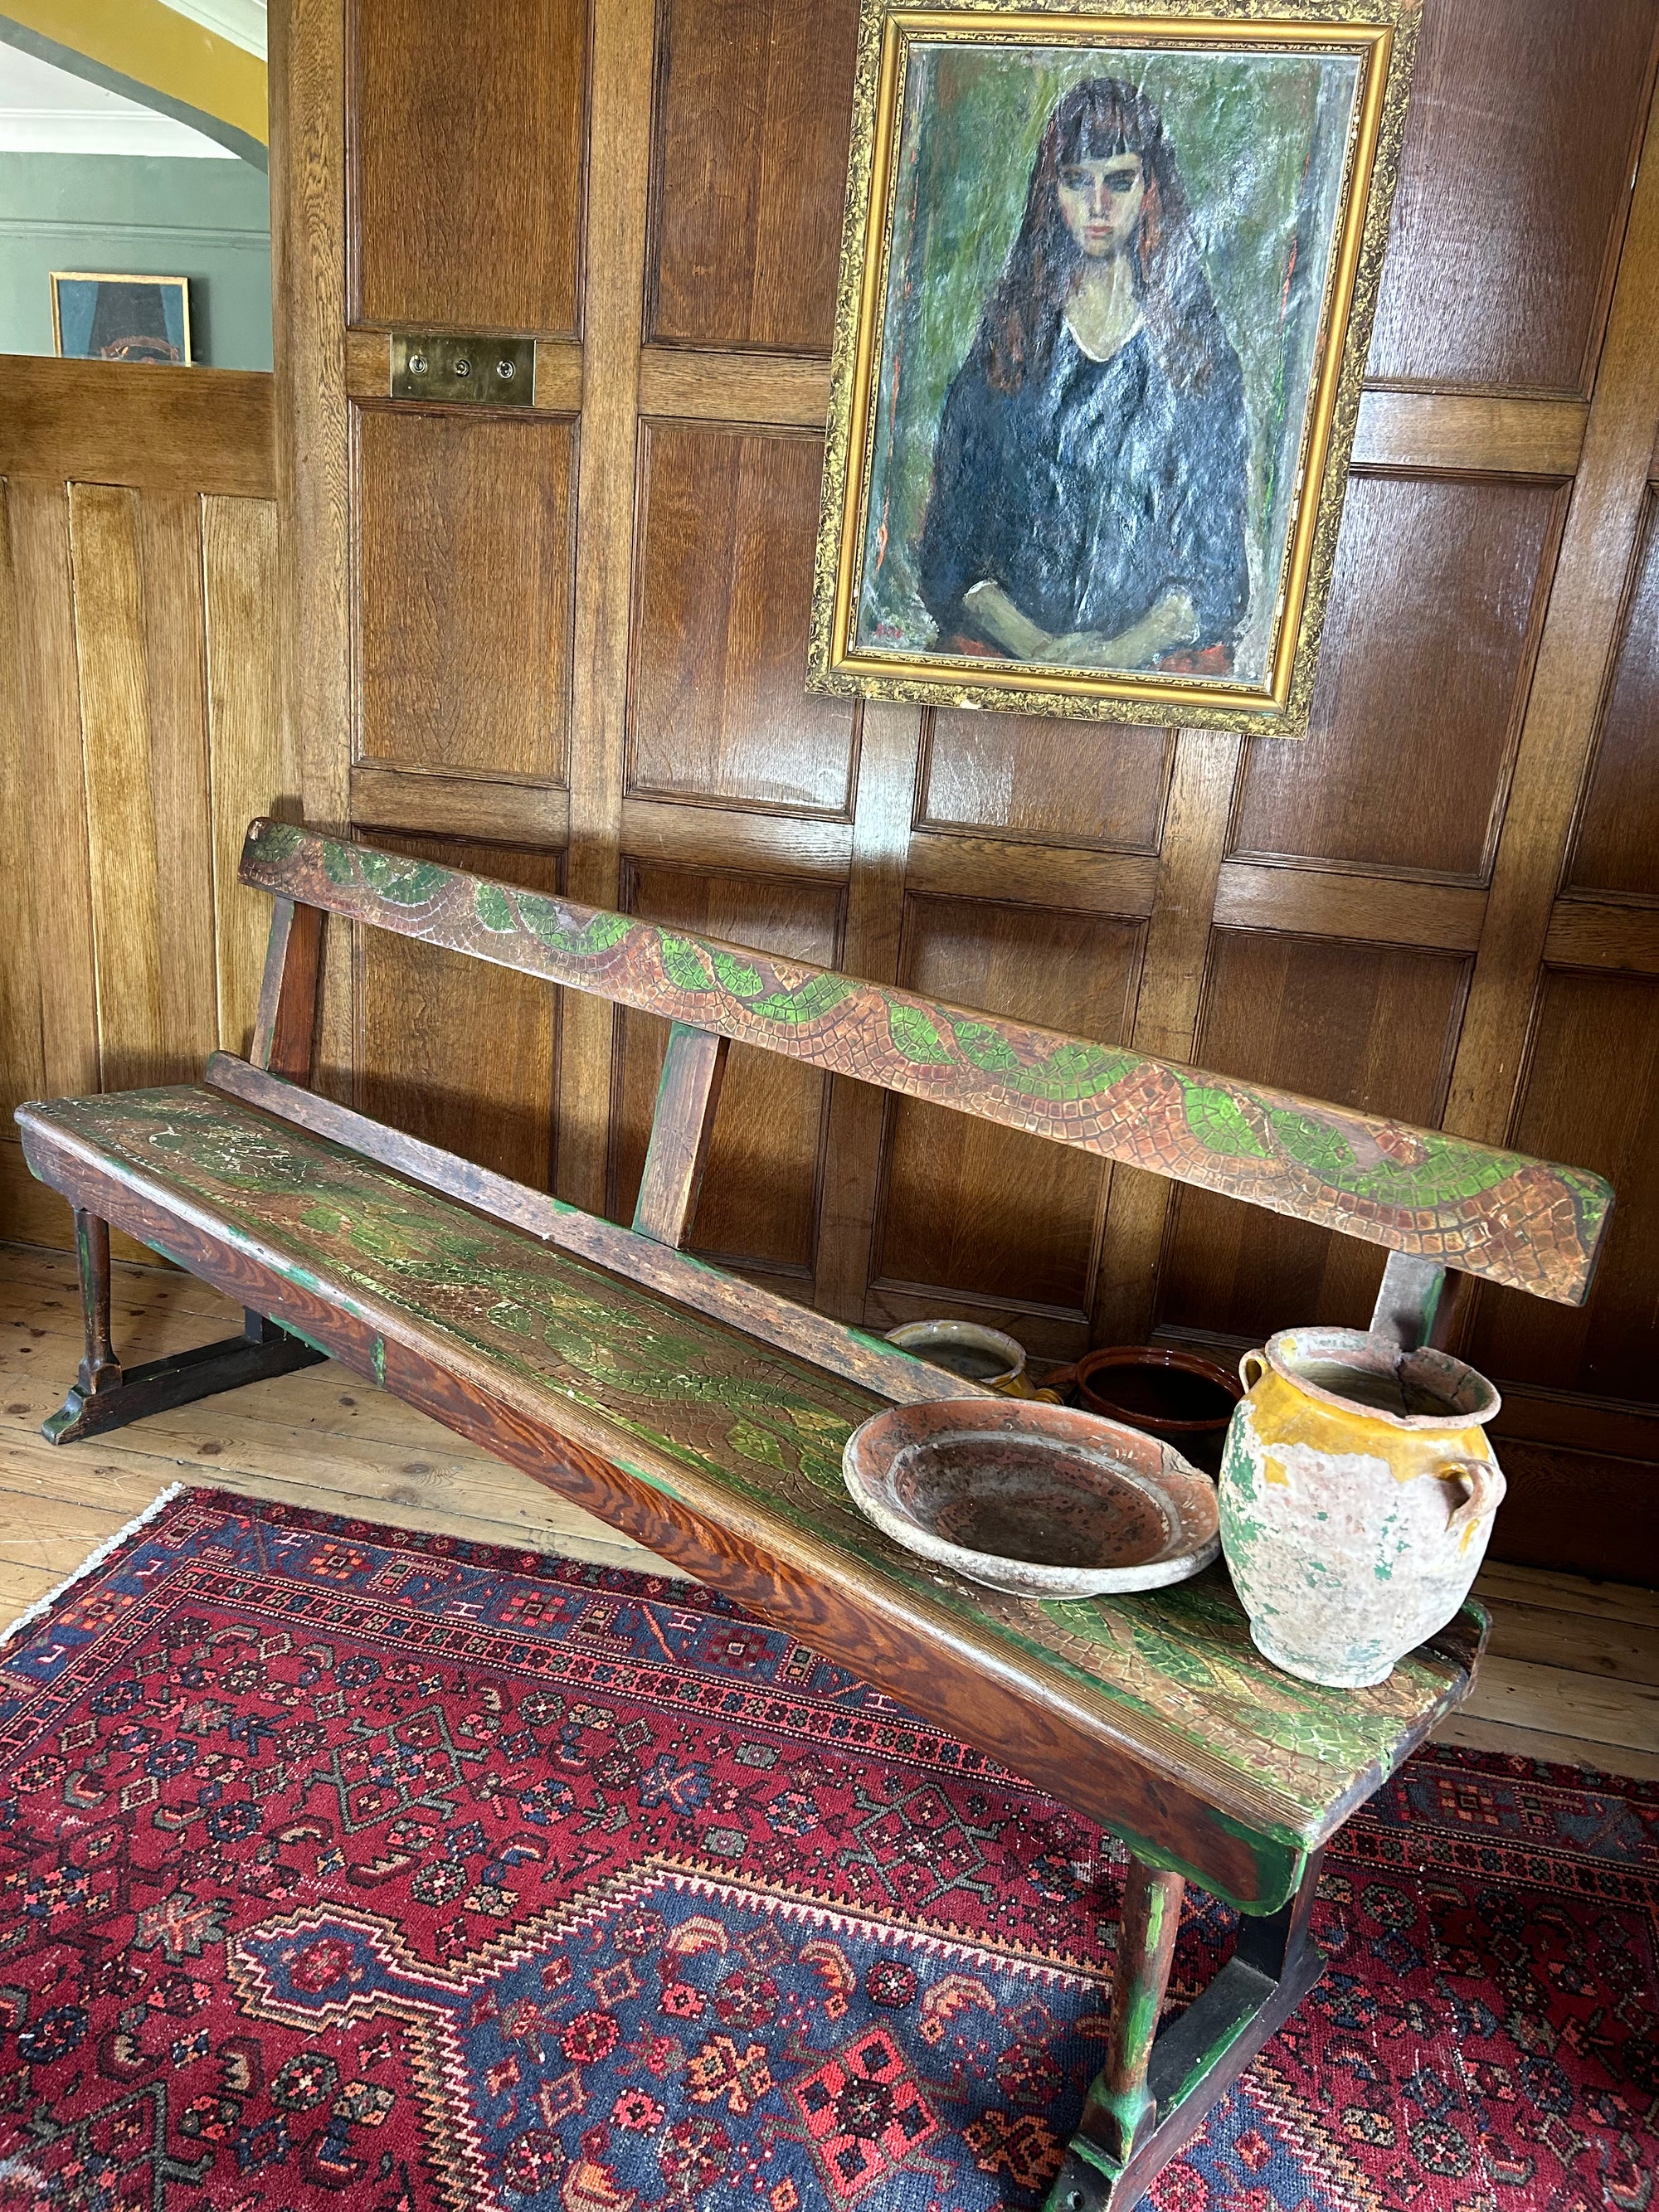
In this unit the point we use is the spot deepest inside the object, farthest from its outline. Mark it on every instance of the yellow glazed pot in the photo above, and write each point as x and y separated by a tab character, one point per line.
1358	1491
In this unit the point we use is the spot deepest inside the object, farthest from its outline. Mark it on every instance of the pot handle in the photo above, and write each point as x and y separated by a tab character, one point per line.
1249	1380
1487	1488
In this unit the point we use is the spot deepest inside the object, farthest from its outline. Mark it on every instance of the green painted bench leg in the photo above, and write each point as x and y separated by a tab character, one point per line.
1158	2088
107	1396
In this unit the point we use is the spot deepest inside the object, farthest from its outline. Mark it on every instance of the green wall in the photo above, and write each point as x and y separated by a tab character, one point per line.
206	220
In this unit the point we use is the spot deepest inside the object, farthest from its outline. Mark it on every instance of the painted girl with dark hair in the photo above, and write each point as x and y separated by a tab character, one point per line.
1090	476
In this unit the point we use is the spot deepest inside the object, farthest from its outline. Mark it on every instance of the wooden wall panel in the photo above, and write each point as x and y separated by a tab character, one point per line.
753	117
464	591
1359	914
467	163
1500	257
249	774
975	1214
430	1022
1432	625
145	753
1363	1025
1592	1086
139	735
759	1196
1617	848
725	576
1028	777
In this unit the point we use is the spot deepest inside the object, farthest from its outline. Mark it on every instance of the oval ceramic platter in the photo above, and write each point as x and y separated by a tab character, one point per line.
1035	1499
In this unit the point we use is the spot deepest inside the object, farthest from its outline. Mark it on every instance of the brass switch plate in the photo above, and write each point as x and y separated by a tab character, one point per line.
480	370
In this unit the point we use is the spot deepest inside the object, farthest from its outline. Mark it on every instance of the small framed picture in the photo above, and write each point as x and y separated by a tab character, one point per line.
97	317
1108	278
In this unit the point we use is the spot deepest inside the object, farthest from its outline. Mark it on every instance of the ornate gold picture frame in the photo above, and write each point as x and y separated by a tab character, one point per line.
1107	281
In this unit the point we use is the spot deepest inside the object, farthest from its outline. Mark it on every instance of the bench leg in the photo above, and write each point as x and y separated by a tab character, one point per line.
107	1396
1158	2089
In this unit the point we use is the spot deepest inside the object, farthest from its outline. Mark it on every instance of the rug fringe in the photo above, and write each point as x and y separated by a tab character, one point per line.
88	1566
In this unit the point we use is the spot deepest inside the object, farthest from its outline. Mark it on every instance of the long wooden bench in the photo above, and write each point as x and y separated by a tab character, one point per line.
705	1417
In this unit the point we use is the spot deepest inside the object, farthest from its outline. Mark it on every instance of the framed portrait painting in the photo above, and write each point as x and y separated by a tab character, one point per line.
119	318
1108	279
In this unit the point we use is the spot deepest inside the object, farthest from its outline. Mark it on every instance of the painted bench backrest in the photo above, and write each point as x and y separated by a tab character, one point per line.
1515	1220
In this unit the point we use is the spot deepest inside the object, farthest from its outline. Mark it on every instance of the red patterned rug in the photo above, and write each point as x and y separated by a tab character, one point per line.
347	1868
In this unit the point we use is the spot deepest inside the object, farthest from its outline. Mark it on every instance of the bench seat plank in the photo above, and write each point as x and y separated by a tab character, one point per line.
747	1441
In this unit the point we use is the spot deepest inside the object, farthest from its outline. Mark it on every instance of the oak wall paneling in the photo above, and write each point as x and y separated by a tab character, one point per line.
750	143
427	1022
141	733
1615	850
728	521
1455	861
464	591
757	1210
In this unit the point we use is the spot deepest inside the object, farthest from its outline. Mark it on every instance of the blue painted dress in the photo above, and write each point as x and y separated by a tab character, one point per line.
1090	493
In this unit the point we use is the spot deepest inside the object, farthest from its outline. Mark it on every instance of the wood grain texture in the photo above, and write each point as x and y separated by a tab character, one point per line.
846	1351
716	385
307	79
1464	434
752	126
1058	784
1608	1023
125	423
368	364
121	799
1485	1211
22	1039
1511	291
1379	908
620	90
757	1206
730	837
463	592
47	690
1615	848
688	1093
425	1021
1372	1023
889	741
253	768
720	627
285	1019
433	171
973	1213
1609	500
1586	933
1203	770
499	812
1434	608
1042	875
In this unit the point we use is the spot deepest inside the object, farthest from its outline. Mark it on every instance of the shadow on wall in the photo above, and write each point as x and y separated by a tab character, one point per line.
206	221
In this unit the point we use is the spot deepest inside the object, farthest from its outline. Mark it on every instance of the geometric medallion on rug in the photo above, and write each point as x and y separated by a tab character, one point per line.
347	1868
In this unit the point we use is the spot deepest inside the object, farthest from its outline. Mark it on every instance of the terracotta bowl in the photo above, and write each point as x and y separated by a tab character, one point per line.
1036	1499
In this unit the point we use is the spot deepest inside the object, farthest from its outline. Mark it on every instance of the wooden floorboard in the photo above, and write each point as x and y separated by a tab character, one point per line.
1572	1674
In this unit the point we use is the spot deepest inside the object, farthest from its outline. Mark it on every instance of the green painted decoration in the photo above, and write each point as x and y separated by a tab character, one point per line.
1499	1214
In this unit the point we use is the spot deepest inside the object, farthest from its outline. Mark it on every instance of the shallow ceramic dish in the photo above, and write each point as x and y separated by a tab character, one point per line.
1036	1499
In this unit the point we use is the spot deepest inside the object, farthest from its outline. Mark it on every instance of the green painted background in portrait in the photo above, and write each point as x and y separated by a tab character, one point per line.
1259	142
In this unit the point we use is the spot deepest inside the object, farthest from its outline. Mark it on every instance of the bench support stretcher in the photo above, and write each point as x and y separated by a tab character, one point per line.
1158	2088
107	1396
